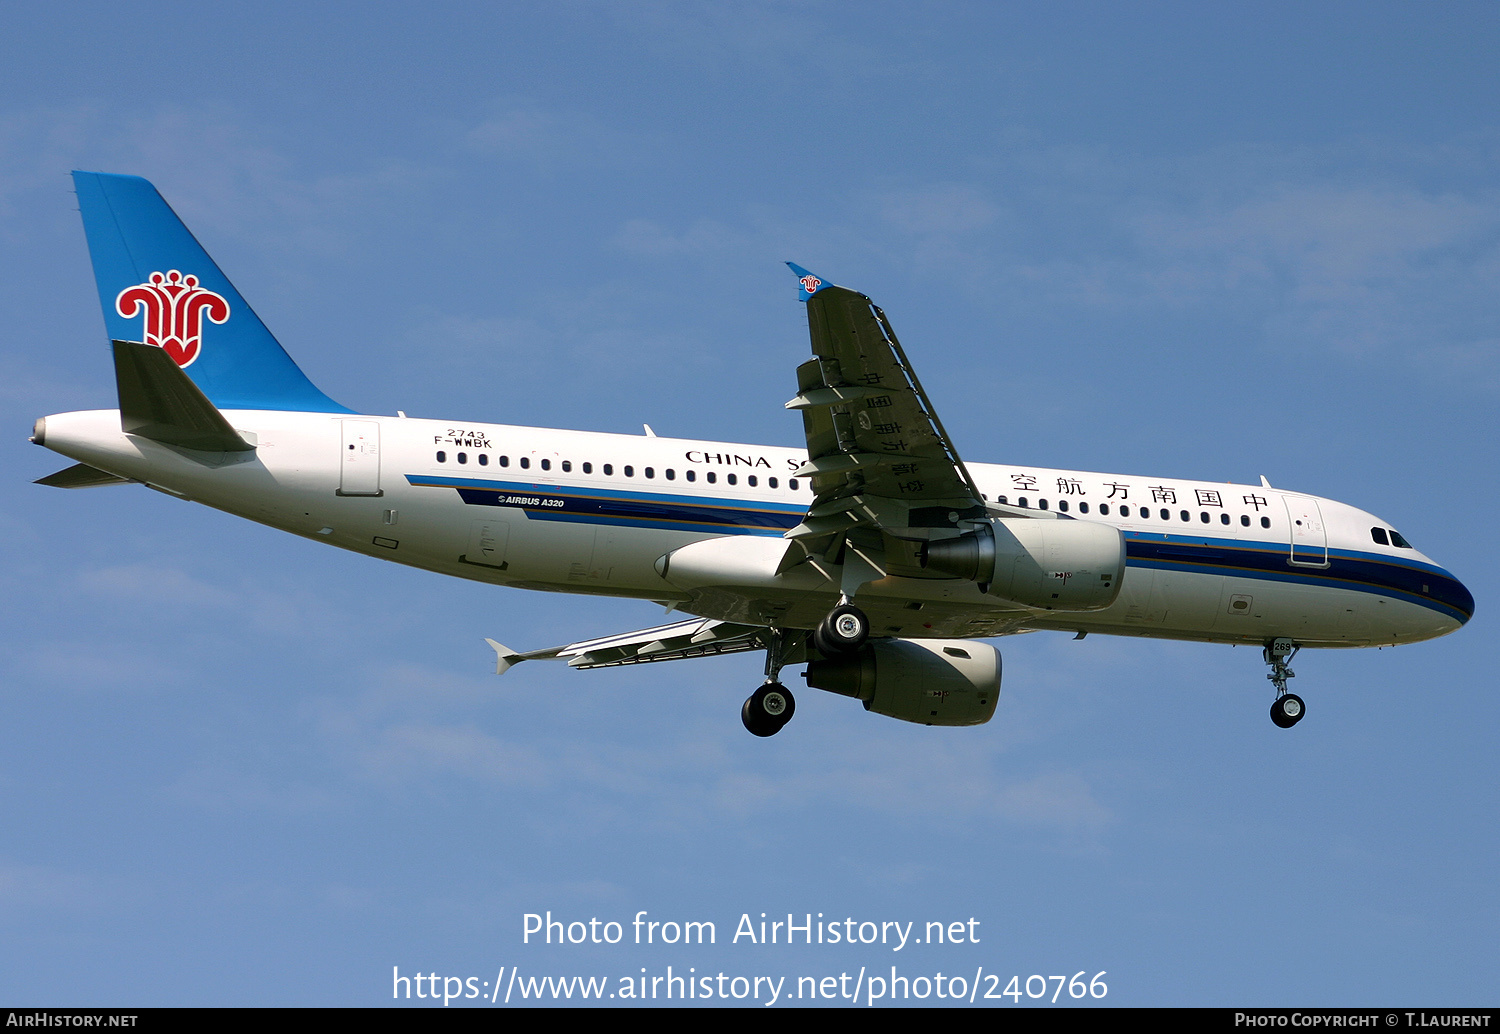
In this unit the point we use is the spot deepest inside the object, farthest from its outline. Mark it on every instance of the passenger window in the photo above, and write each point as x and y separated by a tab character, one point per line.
1183	514
1022	502
442	456
629	471
546	464
567	466
1265	522
609	469
525	462
1245	519
504	461
711	477
651	472
1378	534
1125	511
1083	507
1166	514
751	480
792	484
463	457
1103	509
771	481
484	461
1223	518
1204	517
1001	500
1041	504
588	468
731	478
692	475
671	474
1062	504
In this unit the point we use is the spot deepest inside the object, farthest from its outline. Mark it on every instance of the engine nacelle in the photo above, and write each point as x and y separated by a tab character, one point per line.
1048	564
928	681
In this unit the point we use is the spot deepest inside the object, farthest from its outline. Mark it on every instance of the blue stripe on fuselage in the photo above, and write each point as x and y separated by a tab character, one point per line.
623	509
1410	580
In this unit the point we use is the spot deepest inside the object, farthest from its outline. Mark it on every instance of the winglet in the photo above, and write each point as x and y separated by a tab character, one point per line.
810	283
505	657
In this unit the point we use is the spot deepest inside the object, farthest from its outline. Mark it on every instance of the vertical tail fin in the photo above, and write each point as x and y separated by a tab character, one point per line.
157	285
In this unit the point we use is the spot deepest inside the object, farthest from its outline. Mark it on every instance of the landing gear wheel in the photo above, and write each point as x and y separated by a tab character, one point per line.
768	709
1287	711
844	630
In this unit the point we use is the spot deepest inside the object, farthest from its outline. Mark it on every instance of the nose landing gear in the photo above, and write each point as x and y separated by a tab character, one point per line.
1287	711
1288	708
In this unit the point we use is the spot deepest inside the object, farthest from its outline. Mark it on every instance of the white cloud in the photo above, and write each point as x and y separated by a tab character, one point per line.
644	237
547	138
145	585
400	733
36	887
944	209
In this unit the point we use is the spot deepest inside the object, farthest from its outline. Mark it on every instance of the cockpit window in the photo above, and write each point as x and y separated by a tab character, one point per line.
1378	534
1398	541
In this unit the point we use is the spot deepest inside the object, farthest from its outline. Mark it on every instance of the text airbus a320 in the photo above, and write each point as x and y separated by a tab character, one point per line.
875	556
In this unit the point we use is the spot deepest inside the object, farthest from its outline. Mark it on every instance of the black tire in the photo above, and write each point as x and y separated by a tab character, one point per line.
1288	710
776	702
844	630
767	710
755	724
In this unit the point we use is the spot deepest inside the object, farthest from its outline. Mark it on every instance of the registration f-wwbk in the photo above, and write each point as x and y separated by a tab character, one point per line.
875	556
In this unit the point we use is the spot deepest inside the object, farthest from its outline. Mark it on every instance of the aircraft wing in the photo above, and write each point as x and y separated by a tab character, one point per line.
878	455
699	637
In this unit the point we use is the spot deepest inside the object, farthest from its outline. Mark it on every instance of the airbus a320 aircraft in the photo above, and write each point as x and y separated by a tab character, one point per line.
875	556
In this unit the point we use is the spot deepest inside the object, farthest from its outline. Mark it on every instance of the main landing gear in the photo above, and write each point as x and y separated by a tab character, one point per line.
1288	709
767	710
844	630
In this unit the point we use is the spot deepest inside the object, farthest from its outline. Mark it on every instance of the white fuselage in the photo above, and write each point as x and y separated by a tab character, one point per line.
573	511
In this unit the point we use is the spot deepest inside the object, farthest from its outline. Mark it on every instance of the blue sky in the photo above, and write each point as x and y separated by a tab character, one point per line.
1202	241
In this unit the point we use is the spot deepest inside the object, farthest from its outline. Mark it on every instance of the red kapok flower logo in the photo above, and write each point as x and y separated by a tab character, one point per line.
174	306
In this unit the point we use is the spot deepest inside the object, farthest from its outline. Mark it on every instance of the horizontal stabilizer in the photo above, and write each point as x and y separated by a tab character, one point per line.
159	401
81	475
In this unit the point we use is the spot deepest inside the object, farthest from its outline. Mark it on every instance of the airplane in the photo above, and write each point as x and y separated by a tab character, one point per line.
875	556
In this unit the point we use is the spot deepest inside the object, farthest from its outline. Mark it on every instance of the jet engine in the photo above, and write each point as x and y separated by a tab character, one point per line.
1047	564
928	681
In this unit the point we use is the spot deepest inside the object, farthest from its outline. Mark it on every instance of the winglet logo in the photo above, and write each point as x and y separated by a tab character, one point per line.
174	306
810	284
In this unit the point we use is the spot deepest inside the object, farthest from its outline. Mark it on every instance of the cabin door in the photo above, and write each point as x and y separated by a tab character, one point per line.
359	473
1309	536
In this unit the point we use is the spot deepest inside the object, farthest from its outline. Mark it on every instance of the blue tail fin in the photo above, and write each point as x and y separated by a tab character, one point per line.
158	285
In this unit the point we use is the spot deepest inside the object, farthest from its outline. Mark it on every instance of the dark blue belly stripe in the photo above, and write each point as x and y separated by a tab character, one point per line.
1412	581
623	509
1431	587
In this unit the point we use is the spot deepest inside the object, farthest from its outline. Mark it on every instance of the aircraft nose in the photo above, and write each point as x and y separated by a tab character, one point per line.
1454	603
1463	600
